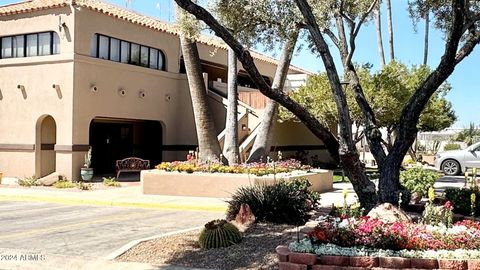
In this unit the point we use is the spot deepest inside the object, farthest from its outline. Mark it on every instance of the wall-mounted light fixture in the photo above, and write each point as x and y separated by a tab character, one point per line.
142	94
122	92
244	127
21	87
167	97
93	88
61	24
58	90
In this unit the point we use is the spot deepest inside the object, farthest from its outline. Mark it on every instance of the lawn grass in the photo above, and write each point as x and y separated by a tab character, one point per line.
337	175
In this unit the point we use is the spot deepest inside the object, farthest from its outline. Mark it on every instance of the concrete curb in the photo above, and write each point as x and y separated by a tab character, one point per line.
133	243
171	206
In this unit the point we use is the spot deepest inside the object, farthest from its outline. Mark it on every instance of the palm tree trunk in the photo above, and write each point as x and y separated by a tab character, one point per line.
230	146
209	147
263	141
378	25
425	49
390	29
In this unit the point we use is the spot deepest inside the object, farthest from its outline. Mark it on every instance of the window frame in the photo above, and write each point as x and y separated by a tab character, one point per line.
160	54
51	50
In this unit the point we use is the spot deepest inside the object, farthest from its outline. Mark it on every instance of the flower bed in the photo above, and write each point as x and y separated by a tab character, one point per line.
200	178
368	242
259	169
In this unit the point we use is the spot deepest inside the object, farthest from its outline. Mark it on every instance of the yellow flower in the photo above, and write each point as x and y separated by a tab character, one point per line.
431	194
345	193
473	198
474	172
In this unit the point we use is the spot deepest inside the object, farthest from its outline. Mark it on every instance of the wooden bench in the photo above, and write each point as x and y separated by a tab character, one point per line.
132	164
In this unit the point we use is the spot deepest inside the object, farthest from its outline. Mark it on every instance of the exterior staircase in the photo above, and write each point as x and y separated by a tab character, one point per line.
248	117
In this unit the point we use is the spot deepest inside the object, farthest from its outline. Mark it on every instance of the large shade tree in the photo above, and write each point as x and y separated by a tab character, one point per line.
387	90
341	22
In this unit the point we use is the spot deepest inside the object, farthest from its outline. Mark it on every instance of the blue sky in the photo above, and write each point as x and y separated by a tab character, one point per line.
465	80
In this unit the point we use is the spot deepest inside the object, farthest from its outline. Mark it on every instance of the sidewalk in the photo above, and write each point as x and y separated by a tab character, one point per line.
130	196
336	196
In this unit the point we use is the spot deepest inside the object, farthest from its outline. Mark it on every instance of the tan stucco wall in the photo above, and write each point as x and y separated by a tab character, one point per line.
20	111
74	105
220	185
293	133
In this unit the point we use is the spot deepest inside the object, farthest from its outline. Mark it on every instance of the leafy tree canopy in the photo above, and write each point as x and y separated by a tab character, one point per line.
387	91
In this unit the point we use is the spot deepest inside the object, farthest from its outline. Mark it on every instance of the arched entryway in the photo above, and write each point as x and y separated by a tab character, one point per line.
113	139
46	138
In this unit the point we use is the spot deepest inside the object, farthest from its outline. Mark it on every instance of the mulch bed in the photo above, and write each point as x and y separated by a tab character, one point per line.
257	250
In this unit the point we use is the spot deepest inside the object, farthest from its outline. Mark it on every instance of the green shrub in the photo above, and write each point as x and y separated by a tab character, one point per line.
28	181
281	202
219	233
460	199
437	214
451	146
349	211
64	184
110	182
418	179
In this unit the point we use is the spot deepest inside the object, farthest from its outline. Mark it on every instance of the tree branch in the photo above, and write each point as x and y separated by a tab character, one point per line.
472	41
354	29
248	64
332	36
411	112
337	90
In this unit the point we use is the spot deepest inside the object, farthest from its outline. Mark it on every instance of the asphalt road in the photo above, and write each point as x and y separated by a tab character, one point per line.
81	230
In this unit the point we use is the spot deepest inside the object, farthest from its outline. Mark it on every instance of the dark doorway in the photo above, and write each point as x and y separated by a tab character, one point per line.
115	139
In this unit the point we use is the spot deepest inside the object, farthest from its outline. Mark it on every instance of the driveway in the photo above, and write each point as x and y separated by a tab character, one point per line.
83	230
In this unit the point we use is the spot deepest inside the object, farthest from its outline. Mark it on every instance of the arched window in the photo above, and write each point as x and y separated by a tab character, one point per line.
114	49
27	45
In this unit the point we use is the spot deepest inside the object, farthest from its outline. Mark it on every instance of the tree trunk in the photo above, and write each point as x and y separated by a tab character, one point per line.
363	187
389	187
230	146
390	29
263	141
208	145
412	153
378	25
425	49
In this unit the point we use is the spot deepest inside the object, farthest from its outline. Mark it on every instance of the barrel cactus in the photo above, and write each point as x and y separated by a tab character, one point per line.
219	233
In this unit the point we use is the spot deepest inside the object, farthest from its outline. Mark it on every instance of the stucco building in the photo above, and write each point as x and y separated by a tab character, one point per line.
83	73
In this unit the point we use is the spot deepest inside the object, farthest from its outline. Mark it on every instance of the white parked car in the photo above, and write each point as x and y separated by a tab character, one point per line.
456	161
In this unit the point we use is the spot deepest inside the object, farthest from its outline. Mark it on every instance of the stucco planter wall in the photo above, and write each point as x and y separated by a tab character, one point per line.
220	185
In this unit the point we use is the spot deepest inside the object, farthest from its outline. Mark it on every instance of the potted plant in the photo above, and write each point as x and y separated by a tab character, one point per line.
86	172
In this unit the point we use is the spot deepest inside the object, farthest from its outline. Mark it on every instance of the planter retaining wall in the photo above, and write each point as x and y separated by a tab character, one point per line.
306	261
219	185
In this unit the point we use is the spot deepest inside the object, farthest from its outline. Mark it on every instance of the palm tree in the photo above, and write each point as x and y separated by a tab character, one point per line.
263	141
208	145
230	145
390	29
378	26
427	26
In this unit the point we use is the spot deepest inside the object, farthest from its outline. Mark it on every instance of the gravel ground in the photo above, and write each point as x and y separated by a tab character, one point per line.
257	250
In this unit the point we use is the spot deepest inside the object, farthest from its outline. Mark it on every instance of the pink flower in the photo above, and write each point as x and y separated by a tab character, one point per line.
448	205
